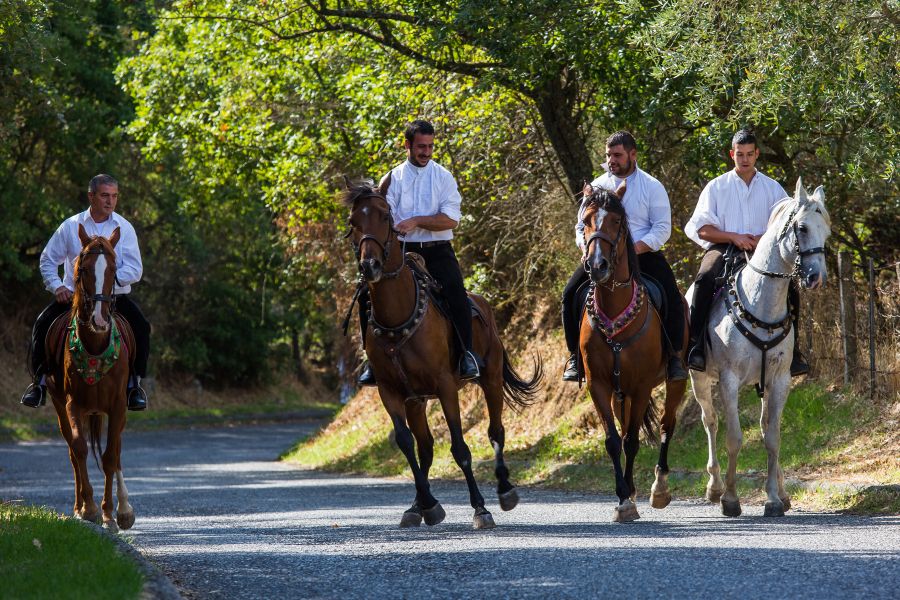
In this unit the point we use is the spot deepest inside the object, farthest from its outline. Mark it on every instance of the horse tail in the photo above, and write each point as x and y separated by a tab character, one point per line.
651	422
517	392
95	424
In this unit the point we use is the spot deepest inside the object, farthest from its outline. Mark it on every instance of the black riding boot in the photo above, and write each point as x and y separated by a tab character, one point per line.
468	366
35	395
571	371
137	397
697	345
366	376
799	365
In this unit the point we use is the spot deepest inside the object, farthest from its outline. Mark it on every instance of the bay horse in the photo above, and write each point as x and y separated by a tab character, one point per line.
749	340
90	350
411	350
624	356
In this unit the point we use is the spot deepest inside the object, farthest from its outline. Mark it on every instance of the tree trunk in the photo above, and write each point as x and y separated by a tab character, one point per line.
556	104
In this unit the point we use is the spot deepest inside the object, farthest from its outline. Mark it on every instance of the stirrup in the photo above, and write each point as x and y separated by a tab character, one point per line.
137	398
367	377
697	359
35	396
468	366
675	370
799	366
570	373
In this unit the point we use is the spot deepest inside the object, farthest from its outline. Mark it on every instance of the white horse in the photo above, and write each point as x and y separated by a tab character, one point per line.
755	301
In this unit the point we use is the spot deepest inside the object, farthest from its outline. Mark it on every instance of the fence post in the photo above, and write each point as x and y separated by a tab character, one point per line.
848	314
871	329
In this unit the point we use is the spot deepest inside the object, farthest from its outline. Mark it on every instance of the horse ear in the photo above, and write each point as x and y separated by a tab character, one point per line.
800	193
114	238
587	190
620	191
819	194
83	236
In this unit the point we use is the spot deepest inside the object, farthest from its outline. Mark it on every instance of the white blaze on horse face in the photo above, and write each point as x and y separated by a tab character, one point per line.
99	279
596	250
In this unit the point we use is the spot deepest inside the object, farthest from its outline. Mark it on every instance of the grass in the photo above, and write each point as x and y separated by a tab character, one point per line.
819	428
45	555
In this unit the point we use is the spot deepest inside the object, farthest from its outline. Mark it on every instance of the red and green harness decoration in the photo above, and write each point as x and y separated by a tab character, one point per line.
91	367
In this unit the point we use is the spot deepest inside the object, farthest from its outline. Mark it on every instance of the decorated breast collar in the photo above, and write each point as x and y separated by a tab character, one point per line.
92	368
610	327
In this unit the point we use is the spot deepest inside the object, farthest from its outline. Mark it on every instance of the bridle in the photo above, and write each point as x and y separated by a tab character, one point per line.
385	245
91	299
796	272
613	257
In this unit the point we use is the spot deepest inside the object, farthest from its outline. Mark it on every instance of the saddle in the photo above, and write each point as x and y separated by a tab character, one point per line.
55	342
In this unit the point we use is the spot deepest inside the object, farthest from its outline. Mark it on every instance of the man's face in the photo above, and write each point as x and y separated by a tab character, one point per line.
103	201
619	161
744	157
419	150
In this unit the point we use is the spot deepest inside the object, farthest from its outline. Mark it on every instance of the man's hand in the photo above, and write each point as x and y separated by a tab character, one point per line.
62	294
407	225
641	248
744	241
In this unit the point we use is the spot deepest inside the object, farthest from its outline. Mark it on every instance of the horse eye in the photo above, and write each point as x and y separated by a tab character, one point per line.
802	229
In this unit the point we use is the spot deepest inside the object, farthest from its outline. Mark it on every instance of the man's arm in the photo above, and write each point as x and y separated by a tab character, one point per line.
714	235
660	214
130	268
53	255
438	222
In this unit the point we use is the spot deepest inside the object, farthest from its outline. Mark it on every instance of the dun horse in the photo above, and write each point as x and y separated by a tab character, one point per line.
750	340
411	351
91	348
624	355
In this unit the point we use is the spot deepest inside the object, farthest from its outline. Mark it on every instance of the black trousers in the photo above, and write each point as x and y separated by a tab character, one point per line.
711	267
443	266
125	306
653	264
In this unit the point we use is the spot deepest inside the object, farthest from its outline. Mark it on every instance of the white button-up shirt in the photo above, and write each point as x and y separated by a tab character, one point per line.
646	206
729	204
65	246
423	192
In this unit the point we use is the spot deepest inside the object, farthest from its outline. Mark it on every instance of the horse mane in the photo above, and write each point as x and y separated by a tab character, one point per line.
357	191
788	203
610	202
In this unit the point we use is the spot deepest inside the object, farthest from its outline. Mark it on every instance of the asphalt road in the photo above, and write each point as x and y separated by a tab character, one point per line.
223	519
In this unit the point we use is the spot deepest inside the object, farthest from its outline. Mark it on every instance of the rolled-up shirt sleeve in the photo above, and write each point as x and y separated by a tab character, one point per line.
54	255
660	215
129	267
450	199
703	215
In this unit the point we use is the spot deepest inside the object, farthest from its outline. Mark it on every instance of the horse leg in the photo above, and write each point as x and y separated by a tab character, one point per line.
506	491
632	442
66	430
702	387
728	390
79	448
418	424
449	396
112	469
601	395
770	423
395	405
659	492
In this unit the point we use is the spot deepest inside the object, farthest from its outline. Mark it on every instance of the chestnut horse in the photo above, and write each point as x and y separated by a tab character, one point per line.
624	356
95	346
411	350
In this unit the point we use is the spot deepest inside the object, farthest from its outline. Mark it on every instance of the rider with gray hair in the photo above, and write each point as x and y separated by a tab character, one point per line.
100	219
733	210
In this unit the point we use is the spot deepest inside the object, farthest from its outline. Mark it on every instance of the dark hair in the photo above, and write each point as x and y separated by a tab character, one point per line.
744	136
622	138
101	179
418	126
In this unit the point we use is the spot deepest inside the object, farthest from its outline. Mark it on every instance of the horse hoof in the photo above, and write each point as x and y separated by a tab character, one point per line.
434	515
410	519
714	495
787	503
774	509
660	500
483	521
626	512
731	508
110	526
509	500
125	520
92	517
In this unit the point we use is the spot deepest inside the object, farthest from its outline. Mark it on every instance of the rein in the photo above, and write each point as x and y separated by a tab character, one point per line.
92	298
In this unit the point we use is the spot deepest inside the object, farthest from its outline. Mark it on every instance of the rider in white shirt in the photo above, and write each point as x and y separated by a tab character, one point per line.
733	210
100	219
650	222
425	204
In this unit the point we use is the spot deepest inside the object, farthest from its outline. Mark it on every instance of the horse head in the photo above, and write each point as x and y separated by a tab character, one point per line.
803	235
606	224
371	229
95	276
